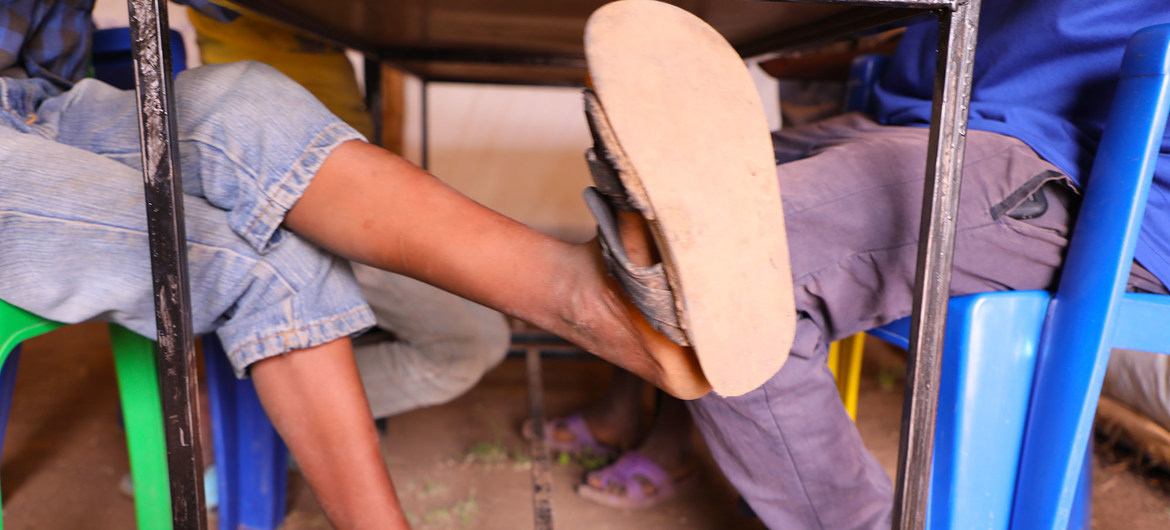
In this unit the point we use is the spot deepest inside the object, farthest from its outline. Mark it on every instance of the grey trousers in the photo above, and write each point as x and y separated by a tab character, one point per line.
852	199
441	346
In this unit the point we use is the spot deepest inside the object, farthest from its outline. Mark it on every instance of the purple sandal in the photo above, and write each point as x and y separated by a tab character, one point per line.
581	441
634	471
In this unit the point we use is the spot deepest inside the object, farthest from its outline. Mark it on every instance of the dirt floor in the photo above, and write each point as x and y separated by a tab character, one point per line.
456	466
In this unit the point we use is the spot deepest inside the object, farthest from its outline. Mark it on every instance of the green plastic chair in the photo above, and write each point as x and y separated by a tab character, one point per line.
138	386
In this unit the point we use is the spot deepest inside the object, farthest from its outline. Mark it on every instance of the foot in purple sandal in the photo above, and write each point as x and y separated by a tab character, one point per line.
569	434
633	481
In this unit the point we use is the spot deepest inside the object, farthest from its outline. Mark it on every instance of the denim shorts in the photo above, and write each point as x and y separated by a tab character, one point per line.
73	240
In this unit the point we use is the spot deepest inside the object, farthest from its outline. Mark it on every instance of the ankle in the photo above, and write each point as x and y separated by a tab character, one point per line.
598	316
613	430
675	456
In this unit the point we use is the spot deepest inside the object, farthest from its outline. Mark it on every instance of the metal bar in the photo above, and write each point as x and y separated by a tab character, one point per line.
498	81
844	24
447	55
541	475
424	132
372	75
167	232
945	4
940	201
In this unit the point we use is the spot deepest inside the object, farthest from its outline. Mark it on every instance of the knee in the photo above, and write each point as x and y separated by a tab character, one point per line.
471	353
492	339
231	77
244	88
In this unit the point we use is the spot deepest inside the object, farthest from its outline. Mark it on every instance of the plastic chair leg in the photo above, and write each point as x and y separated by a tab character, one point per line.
251	459
9	359
7	385
1082	509
845	363
849	371
135	362
834	360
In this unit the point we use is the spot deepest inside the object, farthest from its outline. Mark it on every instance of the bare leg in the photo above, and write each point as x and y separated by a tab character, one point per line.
314	398
616	420
669	440
371	206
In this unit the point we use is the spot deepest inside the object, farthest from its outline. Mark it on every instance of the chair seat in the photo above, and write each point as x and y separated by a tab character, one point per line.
988	365
988	362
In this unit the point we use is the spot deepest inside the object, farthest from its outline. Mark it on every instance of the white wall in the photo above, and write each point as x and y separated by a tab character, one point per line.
520	150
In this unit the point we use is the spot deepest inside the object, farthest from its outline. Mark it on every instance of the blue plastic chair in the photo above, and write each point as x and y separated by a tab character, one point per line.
1022	371
863	73
251	460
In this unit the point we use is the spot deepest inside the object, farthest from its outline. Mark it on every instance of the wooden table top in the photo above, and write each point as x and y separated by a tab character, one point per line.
539	41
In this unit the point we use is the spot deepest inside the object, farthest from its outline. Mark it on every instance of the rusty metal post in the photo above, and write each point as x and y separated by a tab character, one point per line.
541	473
149	32
940	203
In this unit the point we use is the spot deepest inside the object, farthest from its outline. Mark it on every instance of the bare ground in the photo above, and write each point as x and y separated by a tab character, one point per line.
456	466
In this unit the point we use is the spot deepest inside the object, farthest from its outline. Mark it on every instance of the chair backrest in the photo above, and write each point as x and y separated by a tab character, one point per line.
864	72
113	60
1079	330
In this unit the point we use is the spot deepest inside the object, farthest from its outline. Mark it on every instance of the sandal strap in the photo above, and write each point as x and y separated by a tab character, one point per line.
646	286
606	180
583	440
603	165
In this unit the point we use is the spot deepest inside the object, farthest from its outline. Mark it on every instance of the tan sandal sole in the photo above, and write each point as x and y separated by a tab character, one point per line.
699	165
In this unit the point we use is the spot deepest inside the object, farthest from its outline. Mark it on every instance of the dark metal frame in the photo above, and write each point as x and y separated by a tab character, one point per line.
958	22
153	73
958	26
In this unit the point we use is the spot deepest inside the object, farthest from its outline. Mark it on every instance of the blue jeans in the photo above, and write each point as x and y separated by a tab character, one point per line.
73	240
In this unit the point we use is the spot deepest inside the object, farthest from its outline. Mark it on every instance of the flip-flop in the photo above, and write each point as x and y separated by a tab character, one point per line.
633	471
581	441
678	117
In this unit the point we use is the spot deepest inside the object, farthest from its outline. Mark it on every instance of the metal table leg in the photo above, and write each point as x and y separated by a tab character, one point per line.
168	249
948	129
541	474
958	26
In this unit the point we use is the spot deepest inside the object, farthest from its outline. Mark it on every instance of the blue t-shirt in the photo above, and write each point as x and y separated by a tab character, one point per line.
1045	72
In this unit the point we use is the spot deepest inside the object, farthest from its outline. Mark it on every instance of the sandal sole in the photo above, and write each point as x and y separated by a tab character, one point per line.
690	126
667	490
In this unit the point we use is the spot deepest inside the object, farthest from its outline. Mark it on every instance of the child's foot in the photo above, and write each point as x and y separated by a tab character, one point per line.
678	122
